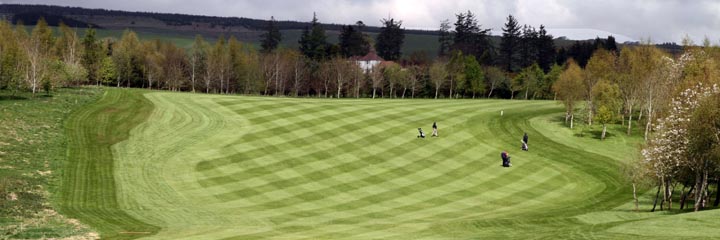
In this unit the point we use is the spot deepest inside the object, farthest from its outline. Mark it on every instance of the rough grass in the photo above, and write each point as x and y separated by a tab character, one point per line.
32	150
180	165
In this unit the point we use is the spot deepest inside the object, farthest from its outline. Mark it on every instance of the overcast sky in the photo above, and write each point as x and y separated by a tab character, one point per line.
660	20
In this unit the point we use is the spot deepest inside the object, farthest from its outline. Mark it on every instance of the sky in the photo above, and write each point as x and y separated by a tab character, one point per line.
658	20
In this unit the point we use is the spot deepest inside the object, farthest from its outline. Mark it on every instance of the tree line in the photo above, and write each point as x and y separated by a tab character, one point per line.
29	14
673	99
42	60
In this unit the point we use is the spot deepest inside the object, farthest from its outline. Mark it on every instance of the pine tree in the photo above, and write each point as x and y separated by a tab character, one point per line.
271	39
313	42
509	44
471	39
390	40
611	45
528	46
352	41
445	38
545	46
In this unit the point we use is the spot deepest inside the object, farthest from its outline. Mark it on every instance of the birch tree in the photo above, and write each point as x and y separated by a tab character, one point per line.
438	75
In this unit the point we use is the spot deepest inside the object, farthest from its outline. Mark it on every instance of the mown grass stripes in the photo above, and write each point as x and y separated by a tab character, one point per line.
88	185
223	167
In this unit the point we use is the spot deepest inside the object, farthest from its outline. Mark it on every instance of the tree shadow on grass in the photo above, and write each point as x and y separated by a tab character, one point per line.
4	97
597	134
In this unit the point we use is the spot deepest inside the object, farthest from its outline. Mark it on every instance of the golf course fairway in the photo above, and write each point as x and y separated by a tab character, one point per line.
164	165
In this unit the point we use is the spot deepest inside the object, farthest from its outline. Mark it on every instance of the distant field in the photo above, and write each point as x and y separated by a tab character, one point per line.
181	165
413	42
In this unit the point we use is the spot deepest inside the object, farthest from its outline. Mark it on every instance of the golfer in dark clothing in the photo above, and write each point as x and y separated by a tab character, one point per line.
525	138
505	159
434	133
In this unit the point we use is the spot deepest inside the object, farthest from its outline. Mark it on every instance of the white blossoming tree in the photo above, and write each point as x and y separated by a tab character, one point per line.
666	153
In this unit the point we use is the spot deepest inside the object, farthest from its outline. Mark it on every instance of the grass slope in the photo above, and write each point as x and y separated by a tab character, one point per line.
230	167
32	150
88	189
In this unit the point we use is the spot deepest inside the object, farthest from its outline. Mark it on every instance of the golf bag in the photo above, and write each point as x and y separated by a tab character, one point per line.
505	160
422	134
524	146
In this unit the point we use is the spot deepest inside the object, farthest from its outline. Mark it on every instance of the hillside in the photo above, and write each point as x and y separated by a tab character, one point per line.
182	28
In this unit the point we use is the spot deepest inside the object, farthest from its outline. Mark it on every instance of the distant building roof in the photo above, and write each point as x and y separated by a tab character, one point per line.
371	56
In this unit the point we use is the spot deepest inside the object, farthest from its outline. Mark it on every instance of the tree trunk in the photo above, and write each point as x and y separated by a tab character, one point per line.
590	112
192	76
657	195
572	118
668	192
451	88
403	95
602	137
629	130
717	194
492	87
699	197
635	197
436	91
374	92
683	199
649	122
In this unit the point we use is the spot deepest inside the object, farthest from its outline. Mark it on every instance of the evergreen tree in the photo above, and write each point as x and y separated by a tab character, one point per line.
598	43
471	39
561	57
445	38
509	44
528	46
313	42
611	45
271	39
545	49
352	41
390	40
581	52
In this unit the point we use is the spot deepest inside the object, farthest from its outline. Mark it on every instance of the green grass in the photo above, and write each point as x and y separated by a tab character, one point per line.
32	151
180	165
89	190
